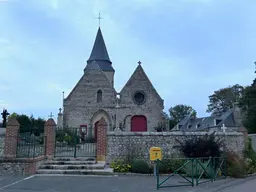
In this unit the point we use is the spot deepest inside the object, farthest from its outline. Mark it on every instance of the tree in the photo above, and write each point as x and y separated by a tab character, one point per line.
223	99
29	124
179	112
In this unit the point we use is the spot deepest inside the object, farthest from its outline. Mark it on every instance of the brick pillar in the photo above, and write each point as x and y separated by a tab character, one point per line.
11	137
101	140
49	132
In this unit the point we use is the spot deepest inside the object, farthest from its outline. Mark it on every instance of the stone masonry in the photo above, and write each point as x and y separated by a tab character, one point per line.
82	106
120	143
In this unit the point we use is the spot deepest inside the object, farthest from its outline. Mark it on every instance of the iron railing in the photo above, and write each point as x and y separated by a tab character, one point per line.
194	171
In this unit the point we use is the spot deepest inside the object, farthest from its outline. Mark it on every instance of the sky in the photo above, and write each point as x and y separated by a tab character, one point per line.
188	48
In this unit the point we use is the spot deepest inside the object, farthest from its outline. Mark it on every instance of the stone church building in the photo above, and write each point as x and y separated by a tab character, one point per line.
138	107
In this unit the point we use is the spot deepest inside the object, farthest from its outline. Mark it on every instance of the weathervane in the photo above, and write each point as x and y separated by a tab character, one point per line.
99	18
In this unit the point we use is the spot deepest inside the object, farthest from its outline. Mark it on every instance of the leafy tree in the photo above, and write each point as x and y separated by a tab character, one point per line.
179	112
29	124
250	117
223	99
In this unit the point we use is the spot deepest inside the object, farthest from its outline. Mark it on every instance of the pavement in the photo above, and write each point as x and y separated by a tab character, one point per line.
57	183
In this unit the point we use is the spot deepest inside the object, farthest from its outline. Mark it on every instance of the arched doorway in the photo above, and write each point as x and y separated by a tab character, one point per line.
139	123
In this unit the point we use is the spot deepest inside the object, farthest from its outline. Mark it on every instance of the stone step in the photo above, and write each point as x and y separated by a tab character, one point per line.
107	171
55	162
72	166
74	159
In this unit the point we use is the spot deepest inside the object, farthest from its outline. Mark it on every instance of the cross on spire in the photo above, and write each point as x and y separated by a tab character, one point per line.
139	62
99	18
51	115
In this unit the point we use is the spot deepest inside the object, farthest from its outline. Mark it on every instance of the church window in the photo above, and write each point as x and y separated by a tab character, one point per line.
99	96
139	98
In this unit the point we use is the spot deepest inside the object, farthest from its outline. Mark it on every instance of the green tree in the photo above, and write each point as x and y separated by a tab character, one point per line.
29	124
223	99
179	112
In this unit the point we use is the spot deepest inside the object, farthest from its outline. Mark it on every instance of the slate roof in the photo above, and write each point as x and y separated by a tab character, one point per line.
100	54
203	123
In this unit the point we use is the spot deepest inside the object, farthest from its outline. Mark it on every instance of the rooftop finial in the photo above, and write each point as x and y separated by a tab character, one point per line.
139	62
99	18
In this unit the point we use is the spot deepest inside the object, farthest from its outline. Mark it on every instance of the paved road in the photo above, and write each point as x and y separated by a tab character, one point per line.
248	185
113	184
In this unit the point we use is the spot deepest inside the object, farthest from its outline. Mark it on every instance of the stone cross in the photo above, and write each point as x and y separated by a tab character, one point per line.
51	115
60	110
223	128
4	116
139	62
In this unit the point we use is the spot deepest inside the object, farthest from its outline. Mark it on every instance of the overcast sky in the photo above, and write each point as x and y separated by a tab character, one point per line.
188	48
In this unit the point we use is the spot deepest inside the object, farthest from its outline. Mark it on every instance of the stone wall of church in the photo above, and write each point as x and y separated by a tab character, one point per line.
119	144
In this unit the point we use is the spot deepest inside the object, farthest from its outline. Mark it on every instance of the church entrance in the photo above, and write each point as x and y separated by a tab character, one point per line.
75	142
139	123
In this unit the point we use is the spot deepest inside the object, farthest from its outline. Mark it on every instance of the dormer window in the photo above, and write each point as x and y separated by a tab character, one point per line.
189	126
99	96
198	125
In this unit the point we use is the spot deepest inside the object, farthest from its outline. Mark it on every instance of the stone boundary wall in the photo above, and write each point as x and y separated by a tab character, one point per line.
20	166
137	144
253	137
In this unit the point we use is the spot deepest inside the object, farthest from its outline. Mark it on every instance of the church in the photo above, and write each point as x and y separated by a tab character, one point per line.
137	107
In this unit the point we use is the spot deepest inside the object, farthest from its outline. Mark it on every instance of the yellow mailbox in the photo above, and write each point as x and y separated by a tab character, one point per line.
155	153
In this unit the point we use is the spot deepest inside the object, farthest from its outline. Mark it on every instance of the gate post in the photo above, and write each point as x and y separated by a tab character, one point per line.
49	131
101	145
11	137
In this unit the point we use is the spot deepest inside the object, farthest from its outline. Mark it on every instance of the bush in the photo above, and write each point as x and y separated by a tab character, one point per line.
195	147
140	166
120	166
236	166
250	155
170	165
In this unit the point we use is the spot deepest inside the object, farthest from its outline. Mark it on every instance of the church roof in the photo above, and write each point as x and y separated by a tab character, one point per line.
100	54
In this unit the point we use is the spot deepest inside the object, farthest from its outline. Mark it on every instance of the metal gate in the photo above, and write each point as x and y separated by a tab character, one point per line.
74	142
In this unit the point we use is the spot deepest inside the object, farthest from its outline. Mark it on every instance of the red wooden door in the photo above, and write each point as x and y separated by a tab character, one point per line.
139	123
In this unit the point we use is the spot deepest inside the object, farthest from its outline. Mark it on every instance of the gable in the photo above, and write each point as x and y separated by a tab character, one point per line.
139	81
92	80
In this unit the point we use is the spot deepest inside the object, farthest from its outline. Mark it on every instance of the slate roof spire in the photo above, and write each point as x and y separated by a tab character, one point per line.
100	54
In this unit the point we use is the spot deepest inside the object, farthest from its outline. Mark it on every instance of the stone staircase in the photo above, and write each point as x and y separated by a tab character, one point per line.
71	166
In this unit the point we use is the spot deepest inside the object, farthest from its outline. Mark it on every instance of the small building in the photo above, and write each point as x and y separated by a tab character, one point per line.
230	121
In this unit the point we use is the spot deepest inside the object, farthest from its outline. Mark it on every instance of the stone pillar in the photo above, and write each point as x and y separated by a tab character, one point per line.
49	131
11	138
101	140
60	119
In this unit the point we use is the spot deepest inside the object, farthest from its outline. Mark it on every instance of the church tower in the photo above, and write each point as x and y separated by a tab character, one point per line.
100	55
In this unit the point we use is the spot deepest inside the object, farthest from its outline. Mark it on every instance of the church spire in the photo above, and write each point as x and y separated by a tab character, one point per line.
100	54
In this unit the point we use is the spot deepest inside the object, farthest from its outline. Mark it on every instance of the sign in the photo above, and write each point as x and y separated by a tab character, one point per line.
155	153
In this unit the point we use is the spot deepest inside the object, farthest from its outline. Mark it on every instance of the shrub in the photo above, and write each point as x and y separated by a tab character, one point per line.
250	155
170	165
120	166
206	146
140	166
236	166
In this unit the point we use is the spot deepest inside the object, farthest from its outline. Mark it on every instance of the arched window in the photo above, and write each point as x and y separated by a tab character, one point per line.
99	96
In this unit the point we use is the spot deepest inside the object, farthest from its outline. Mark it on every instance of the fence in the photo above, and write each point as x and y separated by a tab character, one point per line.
30	146
2	140
193	171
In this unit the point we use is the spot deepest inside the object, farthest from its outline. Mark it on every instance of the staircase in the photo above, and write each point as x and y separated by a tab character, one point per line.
71	166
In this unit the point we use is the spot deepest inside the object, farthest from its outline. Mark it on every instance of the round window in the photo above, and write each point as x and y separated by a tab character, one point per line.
139	98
